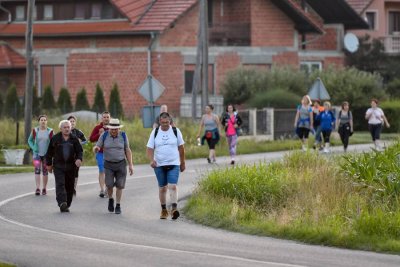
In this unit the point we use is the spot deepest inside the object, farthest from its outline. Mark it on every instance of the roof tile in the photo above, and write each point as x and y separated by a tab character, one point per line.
9	58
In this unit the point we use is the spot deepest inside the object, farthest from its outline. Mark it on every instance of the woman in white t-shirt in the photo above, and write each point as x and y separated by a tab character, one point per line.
376	118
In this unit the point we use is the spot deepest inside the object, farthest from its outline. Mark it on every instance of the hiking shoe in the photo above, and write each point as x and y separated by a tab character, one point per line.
37	192
208	160
101	194
118	209
164	214
64	207
232	162
174	214
111	205
44	192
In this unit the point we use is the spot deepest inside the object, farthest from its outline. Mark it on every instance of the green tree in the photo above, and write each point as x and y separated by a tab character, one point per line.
277	98
48	102
81	100
12	107
99	104
64	101
115	106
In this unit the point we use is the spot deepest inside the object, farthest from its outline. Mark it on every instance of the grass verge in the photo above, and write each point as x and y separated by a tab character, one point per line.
306	197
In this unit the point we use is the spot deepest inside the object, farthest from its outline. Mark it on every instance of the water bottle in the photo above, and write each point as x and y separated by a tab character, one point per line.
198	141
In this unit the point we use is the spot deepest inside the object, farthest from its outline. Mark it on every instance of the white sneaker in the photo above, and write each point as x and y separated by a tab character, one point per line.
326	150
304	147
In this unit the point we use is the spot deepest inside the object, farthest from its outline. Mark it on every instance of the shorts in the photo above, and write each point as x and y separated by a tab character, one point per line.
375	130
302	132
115	173
211	143
167	174
100	161
39	162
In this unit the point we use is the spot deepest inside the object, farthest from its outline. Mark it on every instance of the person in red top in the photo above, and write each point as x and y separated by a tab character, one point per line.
94	136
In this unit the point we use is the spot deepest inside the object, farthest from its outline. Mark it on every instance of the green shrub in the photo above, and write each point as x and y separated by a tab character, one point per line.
393	88
286	78
275	98
48	102
64	101
81	100
115	106
99	104
12	107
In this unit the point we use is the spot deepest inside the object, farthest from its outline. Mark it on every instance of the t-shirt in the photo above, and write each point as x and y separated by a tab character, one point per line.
231	130
376	115
42	139
113	147
165	146
304	116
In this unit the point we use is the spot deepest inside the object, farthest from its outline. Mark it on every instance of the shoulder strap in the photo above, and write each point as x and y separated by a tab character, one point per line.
34	133
175	131
156	132
51	134
105	136
124	137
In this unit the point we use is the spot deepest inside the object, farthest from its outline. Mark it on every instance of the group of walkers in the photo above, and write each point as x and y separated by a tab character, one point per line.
321	121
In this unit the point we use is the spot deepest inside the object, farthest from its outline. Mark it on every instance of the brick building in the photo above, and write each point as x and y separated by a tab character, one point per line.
80	43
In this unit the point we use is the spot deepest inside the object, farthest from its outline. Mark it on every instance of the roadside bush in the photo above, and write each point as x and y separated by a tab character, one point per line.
48	102
1	105
286	78
12	107
99	104
393	88
275	98
115	106
64	101
81	100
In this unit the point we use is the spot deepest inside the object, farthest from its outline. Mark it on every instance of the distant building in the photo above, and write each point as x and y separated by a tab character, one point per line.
80	43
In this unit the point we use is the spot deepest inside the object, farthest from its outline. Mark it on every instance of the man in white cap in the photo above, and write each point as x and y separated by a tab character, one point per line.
116	149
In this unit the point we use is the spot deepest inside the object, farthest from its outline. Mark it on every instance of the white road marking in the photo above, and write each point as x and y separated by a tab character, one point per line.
131	245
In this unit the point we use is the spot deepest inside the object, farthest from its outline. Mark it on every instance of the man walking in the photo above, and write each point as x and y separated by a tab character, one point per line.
116	149
94	136
63	156
166	153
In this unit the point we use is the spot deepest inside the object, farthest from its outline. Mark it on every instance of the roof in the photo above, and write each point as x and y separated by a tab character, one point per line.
10	59
338	11
303	20
359	5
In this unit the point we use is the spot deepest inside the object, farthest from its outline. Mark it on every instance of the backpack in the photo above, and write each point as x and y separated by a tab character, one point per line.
34	133
173	129
122	133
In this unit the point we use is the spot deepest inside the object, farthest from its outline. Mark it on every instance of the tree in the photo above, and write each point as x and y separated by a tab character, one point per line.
115	106
1	105
64	101
12	107
35	102
81	100
48	102
99	104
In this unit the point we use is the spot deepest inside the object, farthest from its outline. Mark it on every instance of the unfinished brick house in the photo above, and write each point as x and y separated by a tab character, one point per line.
79	43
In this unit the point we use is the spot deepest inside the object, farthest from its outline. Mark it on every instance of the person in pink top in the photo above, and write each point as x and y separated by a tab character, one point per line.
231	122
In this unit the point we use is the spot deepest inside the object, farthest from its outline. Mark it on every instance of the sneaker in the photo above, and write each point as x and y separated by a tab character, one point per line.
37	192
208	160
101	194
111	205
118	209
232	162
64	207
164	214
44	192
326	150
174	214
214	160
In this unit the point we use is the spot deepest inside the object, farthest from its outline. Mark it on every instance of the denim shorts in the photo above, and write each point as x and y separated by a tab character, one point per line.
167	175
100	161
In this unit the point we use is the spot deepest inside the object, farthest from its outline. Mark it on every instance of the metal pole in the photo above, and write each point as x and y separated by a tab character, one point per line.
204	83
150	78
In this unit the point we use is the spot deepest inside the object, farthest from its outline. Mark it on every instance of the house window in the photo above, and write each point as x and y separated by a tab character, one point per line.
210	12
310	66
48	12
189	75
81	11
96	11
53	76
394	22
20	13
107	11
371	19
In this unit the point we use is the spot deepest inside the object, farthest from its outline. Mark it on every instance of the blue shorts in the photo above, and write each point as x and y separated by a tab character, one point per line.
167	175
100	161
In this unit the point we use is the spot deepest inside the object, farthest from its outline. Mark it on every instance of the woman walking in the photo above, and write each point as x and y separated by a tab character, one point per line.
327	119
303	121
82	139
231	122
39	141
376	118
210	123
345	124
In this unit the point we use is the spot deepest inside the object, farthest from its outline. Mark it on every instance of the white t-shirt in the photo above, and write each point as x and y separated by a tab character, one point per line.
376	117
165	146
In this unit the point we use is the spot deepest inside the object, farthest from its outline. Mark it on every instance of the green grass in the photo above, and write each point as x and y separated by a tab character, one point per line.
308	198
6	265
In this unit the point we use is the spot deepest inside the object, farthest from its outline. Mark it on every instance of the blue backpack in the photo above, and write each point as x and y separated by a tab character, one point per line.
122	133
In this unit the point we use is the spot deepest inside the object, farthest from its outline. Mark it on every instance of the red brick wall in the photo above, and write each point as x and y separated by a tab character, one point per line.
184	33
224	63
286	58
269	25
13	76
328	41
335	61
231	11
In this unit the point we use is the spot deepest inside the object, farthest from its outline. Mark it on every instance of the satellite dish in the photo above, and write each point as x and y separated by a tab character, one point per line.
351	42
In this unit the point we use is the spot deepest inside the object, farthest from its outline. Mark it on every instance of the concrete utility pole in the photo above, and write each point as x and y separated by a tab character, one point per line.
29	70
200	79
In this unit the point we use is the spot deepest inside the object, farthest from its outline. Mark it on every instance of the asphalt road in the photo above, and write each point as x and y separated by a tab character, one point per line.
34	233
